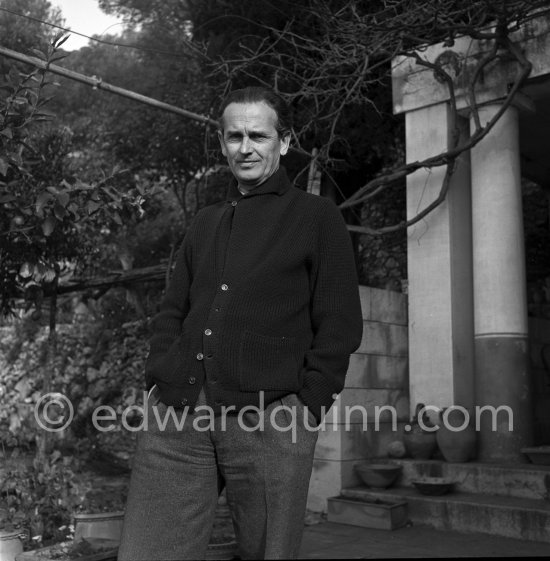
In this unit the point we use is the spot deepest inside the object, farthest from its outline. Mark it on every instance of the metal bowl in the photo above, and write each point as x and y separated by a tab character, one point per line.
433	485
378	476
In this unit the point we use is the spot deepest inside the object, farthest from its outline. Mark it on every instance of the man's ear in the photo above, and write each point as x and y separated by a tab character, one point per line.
285	143
222	143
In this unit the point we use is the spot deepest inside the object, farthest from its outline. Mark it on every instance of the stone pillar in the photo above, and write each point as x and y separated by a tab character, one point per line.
500	297
439	268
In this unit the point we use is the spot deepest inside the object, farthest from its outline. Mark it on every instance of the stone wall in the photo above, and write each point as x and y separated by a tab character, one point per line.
377	377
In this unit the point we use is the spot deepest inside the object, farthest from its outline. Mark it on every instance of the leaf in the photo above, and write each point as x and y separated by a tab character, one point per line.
112	193
38	54
59	211
41	201
4	166
7	132
92	207
48	225
59	57
49	275
117	219
61	40
63	198
44	113
13	75
7	199
26	270
56	455
40	270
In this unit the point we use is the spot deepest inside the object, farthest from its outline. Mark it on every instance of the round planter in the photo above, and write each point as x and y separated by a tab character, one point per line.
10	544
103	525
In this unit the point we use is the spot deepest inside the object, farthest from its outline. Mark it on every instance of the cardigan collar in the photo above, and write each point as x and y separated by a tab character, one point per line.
277	184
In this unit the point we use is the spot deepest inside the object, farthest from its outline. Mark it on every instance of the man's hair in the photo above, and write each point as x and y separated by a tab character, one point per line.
267	96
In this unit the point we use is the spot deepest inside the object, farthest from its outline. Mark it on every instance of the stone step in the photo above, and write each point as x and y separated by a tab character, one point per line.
379	514
524	481
513	517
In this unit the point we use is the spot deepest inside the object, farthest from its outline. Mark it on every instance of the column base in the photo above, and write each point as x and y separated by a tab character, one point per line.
503	388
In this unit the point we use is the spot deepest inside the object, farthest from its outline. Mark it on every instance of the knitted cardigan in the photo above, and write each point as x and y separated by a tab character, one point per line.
263	302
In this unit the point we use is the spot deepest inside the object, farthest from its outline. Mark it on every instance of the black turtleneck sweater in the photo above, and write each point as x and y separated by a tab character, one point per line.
264	297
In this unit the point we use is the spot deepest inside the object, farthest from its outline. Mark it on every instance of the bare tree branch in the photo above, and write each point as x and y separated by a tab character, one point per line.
326	74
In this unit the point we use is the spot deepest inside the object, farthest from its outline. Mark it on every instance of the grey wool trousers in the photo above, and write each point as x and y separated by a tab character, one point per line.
265	466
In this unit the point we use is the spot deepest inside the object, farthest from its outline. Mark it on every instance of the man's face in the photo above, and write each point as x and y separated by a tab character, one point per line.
251	143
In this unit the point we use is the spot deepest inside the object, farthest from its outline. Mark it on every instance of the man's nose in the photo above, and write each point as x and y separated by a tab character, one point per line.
245	146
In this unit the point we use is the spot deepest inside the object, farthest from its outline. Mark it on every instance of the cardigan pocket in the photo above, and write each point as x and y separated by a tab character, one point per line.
167	366
269	363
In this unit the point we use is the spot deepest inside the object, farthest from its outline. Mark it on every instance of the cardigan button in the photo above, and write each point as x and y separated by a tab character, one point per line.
224	287
200	356
191	380
184	401
208	332
233	203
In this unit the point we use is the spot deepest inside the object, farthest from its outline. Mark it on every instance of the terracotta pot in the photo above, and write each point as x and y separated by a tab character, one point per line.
455	438
419	443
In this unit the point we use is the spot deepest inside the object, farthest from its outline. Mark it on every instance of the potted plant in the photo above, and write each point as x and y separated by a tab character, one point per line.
95	533
32	502
32	509
100	515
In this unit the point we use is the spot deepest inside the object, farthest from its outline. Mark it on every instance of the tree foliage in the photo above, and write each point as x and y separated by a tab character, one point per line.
23	34
331	59
49	219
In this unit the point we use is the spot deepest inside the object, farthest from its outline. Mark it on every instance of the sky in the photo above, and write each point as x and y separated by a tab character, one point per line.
85	17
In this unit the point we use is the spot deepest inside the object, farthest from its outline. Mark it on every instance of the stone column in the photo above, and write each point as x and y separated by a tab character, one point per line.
439	255
500	298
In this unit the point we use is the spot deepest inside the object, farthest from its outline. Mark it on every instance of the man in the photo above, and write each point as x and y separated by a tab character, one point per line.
257	326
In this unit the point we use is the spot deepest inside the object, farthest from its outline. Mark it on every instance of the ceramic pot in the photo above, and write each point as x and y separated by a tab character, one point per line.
10	544
456	439
104	525
419	443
